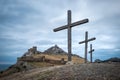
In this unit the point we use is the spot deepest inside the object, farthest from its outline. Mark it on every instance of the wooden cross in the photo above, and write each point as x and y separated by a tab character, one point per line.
69	26
86	44
91	50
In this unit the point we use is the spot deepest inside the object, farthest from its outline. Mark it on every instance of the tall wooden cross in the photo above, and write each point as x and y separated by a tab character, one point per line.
69	26
91	50
86	44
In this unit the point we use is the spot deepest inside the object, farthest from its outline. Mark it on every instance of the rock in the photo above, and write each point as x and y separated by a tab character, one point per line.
55	50
69	63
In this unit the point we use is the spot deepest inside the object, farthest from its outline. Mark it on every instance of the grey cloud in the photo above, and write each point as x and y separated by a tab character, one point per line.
27	23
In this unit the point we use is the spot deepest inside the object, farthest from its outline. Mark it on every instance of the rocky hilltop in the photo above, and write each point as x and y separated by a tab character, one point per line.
55	50
32	59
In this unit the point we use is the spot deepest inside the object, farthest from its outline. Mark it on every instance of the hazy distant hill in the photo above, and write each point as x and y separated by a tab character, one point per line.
114	59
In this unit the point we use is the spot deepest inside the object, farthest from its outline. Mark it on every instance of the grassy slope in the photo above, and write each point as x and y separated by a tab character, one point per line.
75	59
93	71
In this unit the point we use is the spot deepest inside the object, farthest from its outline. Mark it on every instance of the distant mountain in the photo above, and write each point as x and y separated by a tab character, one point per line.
55	50
114	59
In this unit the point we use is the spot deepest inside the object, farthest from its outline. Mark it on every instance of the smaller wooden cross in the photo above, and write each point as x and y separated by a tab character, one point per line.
91	50
86	44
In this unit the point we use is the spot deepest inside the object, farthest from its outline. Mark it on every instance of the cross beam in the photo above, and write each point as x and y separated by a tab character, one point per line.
87	40
71	25
86	44
68	27
91	50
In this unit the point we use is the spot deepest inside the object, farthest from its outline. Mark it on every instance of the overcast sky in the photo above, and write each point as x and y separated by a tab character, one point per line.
27	23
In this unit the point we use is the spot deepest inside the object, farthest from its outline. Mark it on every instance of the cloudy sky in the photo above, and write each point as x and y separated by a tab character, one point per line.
27	23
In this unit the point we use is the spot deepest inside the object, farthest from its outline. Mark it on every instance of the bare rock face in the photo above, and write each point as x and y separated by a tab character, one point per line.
55	50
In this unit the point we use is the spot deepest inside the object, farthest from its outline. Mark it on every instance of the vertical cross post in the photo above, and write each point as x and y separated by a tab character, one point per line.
91	50
69	35
91	53
86	45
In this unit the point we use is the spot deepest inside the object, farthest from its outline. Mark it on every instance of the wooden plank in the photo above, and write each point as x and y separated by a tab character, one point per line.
69	35
82	42
87	40
92	50
71	25
91	39
86	45
91	53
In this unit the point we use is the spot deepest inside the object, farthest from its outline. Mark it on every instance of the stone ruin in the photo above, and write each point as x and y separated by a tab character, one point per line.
27	57
32	51
40	59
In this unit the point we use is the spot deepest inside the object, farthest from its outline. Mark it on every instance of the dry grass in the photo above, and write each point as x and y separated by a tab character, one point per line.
94	71
75	59
40	64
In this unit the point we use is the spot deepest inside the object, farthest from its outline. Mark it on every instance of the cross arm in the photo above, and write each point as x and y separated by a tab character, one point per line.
72	25
81	42
91	39
91	51
87	40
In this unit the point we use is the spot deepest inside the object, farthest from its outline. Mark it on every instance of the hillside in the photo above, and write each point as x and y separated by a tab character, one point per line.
36	65
52	53
92	71
54	56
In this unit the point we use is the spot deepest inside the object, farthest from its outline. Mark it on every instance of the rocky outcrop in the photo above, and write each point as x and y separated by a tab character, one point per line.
55	50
